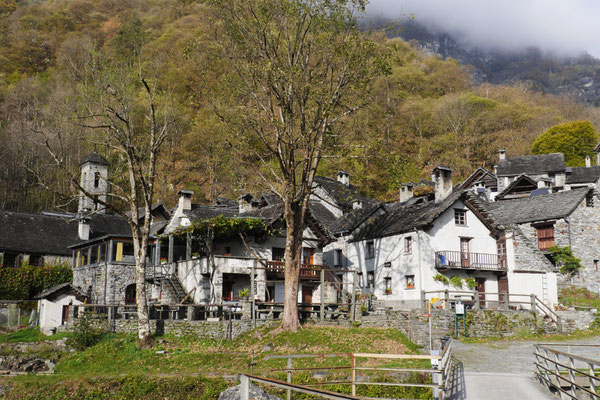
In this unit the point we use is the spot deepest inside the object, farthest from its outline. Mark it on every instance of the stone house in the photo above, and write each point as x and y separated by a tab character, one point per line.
219	269
569	218
398	249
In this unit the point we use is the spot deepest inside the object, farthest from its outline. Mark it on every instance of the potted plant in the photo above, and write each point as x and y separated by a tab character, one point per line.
195	256
388	291
364	309
244	294
163	260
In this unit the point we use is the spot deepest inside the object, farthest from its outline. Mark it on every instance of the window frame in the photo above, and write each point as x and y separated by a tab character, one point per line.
460	214
544	239
370	249
410	278
408	245
387	285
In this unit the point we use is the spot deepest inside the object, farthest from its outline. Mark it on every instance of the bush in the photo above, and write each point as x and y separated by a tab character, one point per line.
565	260
457	282
85	334
27	281
441	278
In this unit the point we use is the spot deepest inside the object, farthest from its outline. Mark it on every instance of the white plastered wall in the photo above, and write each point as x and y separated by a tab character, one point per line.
50	311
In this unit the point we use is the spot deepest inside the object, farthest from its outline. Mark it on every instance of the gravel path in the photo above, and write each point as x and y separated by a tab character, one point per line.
500	370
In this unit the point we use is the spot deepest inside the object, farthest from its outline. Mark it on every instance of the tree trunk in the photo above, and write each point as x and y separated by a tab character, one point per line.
293	257
145	339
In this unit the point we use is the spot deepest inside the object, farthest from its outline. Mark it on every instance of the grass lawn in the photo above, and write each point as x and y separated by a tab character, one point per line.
194	368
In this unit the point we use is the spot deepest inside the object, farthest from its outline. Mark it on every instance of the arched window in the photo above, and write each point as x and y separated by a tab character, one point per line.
130	295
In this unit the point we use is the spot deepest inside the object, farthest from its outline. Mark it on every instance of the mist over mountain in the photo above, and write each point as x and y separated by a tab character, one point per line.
544	48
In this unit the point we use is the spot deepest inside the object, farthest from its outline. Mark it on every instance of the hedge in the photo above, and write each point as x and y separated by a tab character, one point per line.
25	282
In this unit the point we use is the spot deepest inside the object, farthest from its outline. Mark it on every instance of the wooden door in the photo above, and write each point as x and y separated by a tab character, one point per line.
481	290
465	252
227	291
503	289
130	294
307	292
65	314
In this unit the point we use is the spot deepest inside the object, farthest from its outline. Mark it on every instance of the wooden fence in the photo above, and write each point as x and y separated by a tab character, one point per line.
440	371
572	375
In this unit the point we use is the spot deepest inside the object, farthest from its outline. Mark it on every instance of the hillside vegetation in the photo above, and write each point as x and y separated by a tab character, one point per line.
424	111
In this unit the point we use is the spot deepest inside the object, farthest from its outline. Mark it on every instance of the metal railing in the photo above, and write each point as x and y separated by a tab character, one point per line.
440	371
572	375
468	260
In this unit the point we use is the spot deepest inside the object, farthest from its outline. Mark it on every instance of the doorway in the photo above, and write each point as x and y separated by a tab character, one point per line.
481	290
465	257
503	297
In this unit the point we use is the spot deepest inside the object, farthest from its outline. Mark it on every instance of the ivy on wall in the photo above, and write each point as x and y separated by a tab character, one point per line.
222	228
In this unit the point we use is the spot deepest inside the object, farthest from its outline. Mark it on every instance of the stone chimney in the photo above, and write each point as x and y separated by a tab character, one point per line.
245	203
406	192
357	205
185	200
442	178
502	154
544	183
84	228
588	161
343	177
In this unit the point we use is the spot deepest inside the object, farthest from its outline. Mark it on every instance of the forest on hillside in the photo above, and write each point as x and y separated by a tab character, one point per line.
421	112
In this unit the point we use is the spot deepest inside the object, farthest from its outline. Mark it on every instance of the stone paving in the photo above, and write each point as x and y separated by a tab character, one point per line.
500	370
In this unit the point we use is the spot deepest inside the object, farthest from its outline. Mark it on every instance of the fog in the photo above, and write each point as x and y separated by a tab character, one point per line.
562	27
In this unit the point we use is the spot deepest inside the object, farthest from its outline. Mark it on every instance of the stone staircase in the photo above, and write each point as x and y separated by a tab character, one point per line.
164	276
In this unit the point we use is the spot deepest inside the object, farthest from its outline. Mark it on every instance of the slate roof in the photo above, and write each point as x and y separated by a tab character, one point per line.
95	158
539	208
353	219
531	165
479	175
399	217
519	181
322	215
207	212
60	288
52	234
583	175
342	194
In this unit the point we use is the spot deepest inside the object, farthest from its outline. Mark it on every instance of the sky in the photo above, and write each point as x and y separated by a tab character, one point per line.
562	27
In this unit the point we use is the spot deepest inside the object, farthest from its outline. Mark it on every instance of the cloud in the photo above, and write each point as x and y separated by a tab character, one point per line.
564	27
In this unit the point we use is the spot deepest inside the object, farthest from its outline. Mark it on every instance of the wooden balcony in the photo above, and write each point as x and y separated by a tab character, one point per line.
448	259
307	271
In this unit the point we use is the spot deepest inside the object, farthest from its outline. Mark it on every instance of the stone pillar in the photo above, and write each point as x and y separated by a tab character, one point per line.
171	245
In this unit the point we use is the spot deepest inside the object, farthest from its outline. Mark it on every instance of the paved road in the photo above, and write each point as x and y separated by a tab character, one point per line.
499	371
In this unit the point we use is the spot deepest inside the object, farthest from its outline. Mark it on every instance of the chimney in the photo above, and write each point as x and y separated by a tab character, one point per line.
442	178
185	200
343	178
588	161
502	154
406	192
245	203
357	205
84	228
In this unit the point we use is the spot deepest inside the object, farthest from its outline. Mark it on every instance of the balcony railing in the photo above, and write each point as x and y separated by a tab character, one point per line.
307	271
467	260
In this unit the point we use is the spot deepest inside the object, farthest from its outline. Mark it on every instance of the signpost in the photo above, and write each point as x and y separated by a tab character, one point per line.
459	313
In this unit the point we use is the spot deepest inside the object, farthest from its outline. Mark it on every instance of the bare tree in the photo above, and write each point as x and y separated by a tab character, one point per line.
302	68
122	111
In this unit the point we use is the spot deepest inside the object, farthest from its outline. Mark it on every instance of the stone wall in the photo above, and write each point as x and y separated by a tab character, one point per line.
573	320
204	329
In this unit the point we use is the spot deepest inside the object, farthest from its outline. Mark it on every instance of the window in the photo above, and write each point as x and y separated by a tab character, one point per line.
388	285
545	234
10	260
370	249
410	281
277	253
460	217
408	245
337	258
596	265
501	246
37	260
308	255
123	252
96	179
227	251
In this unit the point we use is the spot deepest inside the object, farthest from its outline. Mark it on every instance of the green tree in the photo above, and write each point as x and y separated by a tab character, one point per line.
575	140
302	69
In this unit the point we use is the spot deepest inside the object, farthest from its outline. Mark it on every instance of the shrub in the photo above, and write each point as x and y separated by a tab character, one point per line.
471	283
85	334
27	281
565	260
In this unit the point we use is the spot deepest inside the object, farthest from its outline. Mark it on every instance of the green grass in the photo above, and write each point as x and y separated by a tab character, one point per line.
174	361
578	297
29	335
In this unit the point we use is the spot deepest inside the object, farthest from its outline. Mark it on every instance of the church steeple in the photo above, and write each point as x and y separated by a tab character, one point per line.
94	175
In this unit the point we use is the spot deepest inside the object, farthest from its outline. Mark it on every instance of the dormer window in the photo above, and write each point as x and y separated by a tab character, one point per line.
460	217
370	249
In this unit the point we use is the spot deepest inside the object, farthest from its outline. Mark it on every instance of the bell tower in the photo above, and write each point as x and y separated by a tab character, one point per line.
94	175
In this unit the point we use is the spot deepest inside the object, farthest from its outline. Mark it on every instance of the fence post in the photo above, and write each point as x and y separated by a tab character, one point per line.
446	298
572	376
533	302
244	387
289	378
322	311
353	306
190	313
559	325
353	375
423	301
477	304
592	380
252	295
